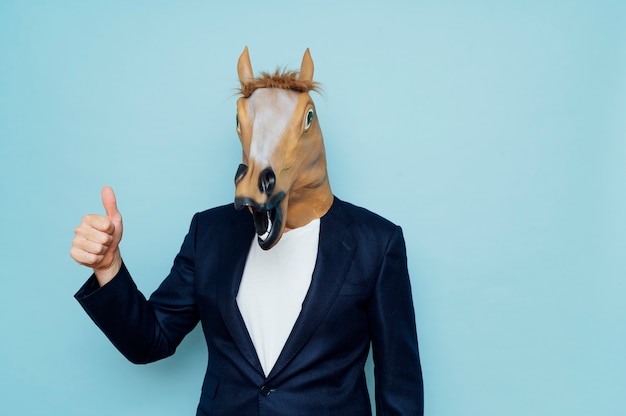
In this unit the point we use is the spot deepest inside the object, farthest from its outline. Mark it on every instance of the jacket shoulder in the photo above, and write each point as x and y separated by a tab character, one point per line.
223	218
364	217
221	210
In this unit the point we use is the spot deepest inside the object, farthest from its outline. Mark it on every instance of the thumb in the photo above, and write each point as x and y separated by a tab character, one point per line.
110	203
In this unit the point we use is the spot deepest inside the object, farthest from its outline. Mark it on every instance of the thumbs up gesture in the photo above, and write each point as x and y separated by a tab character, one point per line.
97	238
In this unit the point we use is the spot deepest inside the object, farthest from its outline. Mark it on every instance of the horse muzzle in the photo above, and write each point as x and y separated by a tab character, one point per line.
268	218
266	182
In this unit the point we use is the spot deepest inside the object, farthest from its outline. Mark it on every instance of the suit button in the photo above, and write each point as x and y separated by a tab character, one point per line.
266	391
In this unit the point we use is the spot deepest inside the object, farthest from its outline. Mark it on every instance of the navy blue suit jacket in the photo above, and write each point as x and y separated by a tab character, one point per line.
360	294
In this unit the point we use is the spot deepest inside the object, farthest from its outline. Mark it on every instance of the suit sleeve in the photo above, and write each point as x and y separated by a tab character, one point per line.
397	368
145	330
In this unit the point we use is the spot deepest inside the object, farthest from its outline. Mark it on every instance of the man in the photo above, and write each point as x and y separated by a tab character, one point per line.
291	288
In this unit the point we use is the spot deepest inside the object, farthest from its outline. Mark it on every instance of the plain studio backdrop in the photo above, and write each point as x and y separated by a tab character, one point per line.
493	132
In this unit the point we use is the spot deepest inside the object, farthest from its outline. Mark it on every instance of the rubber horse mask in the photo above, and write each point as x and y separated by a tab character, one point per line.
282	179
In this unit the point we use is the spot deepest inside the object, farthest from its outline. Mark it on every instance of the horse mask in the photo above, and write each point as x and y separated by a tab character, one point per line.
282	179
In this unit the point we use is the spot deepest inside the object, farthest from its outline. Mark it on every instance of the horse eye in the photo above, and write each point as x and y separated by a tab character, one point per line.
237	122
309	119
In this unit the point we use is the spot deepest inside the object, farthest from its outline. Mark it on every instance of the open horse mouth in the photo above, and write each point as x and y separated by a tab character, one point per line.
268	219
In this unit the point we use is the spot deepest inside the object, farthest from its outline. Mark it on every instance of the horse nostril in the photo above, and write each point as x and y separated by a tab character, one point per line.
267	180
241	172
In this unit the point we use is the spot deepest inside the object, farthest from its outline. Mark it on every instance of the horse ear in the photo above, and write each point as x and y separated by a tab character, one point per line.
244	68
306	69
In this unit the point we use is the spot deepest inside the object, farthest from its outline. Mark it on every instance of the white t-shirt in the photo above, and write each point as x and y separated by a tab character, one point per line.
273	287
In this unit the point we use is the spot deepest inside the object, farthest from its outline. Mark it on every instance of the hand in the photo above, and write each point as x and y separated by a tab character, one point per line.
97	239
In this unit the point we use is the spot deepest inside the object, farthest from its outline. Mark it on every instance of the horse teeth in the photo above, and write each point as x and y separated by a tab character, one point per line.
269	228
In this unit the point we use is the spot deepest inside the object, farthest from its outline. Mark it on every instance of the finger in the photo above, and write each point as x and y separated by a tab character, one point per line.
91	246
97	223
85	258
110	203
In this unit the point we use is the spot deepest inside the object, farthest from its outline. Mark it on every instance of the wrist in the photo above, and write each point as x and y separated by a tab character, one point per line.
105	274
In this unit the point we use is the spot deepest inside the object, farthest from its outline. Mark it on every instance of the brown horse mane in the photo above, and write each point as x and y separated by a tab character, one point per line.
284	79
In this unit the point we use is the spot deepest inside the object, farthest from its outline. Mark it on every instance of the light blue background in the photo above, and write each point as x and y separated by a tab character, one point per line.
493	132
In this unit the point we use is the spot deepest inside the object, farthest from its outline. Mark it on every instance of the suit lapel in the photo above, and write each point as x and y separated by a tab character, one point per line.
335	253
232	262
